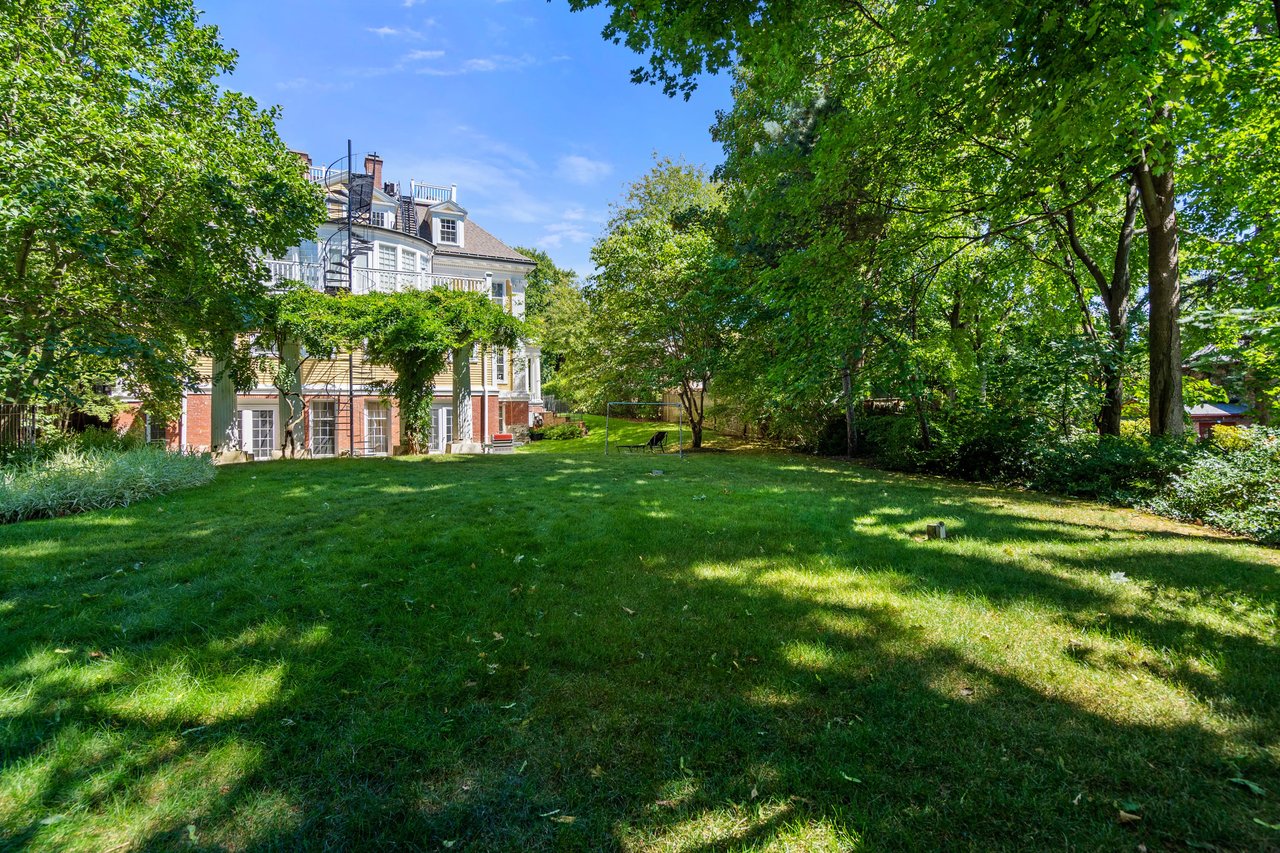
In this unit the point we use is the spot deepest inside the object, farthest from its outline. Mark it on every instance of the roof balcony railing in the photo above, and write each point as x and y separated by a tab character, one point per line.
431	193
325	175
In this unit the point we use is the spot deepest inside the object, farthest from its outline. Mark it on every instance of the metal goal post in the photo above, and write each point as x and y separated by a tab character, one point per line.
608	411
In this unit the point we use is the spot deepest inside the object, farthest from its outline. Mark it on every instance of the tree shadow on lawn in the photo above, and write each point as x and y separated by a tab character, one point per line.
745	669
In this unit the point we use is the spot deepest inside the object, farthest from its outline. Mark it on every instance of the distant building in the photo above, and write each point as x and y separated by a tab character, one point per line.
1208	415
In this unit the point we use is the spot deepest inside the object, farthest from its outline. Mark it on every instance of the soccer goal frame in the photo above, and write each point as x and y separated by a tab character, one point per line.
608	412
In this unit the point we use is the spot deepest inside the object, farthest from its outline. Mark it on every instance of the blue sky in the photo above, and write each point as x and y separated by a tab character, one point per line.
519	102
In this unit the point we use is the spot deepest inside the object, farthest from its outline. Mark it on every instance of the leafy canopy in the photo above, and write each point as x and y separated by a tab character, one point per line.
136	197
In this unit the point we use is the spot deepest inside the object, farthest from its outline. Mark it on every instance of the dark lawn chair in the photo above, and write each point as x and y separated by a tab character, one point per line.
657	444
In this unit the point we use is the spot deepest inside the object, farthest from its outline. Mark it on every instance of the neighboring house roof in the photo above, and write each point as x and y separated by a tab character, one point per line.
1217	410
481	244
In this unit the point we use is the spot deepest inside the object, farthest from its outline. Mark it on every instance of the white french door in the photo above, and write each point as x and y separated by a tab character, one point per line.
324	428
256	432
377	429
441	428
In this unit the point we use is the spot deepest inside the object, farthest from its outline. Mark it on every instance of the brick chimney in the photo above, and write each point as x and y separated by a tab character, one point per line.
305	158
373	166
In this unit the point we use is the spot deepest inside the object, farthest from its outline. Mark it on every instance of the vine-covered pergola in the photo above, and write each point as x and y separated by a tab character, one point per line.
411	332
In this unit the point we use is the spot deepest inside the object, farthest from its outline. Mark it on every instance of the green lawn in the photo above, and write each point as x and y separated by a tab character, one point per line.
555	650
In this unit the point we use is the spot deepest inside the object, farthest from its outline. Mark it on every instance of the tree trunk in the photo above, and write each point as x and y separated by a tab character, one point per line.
1159	210
694	409
1116	298
848	411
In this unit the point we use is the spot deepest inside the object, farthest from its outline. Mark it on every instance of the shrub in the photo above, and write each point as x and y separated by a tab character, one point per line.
563	432
100	438
71	480
1124	470
1235	485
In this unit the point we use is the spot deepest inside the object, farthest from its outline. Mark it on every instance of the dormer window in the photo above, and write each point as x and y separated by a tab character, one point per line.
449	231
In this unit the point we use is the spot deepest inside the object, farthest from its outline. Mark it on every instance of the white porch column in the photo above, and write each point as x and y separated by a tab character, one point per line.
222	416
463	440
222	409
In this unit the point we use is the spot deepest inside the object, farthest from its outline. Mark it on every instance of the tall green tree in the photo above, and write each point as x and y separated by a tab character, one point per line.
136	197
656	321
546	290
1007	115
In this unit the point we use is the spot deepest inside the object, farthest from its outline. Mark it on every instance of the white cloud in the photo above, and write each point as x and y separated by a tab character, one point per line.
559	233
415	55
582	170
385	32
482	64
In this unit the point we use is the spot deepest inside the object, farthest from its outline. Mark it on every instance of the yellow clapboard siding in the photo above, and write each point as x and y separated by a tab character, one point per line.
335	371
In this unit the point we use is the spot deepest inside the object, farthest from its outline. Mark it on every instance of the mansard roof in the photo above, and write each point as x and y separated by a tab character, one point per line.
481	244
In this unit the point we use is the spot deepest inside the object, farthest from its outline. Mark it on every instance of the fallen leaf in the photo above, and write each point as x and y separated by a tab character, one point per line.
666	804
564	818
1128	817
849	778
628	611
96	655
966	690
1252	786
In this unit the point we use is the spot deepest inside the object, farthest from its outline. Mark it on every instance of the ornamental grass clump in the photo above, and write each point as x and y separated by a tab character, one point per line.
75	480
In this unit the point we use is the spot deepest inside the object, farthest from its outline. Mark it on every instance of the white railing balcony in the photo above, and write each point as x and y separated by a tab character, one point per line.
312	275
366	280
431	193
393	281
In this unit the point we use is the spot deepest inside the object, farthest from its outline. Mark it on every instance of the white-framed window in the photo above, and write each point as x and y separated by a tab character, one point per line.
475	354
498	291
449	231
502	418
381	218
424	263
387	261
377	429
499	365
324	428
408	260
157	430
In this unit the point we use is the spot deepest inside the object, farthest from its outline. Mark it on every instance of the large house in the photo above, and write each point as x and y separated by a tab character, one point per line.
379	236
